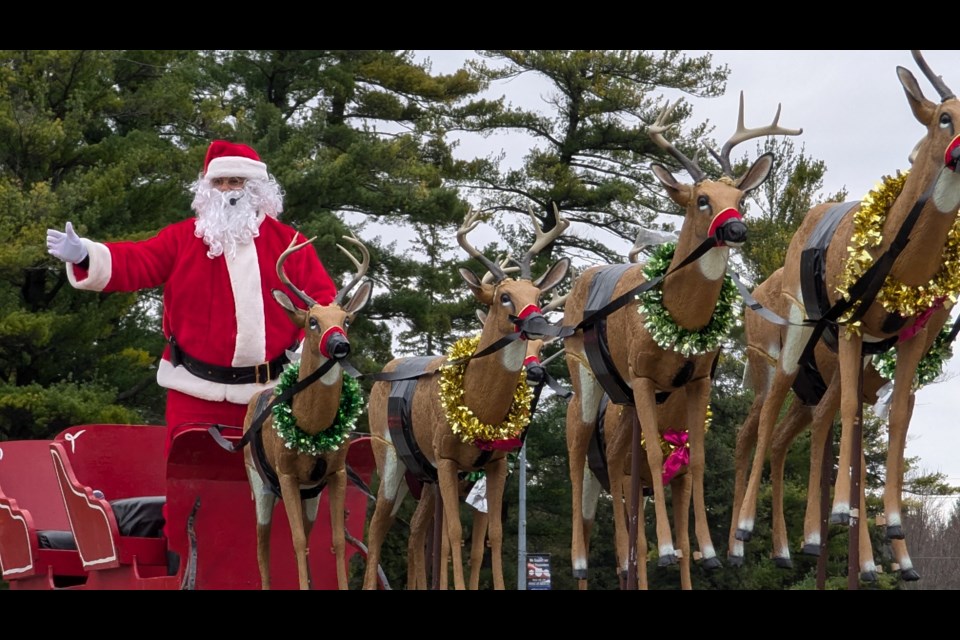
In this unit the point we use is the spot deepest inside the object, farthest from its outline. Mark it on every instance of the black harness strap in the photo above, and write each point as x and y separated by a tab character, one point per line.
400	419
596	450
809	385
595	334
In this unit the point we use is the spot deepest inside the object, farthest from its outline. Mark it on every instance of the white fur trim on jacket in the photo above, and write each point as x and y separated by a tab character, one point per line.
101	267
179	379
244	271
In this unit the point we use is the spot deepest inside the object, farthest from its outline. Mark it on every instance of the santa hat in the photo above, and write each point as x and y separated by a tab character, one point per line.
229	160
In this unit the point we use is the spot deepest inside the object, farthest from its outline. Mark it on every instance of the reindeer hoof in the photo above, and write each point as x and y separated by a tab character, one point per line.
735	561
743	535
782	563
579	574
711	564
868	576
840	518
910	575
811	550
666	561
895	532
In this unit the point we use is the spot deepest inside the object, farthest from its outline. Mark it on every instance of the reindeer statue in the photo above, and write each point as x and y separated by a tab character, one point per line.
763	349
442	415
610	462
866	276
301	447
670	339
423	516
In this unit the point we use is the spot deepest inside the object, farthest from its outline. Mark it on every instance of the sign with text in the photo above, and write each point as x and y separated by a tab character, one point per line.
538	571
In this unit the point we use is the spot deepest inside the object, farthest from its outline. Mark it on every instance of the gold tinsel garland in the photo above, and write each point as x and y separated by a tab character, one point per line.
895	296
461	418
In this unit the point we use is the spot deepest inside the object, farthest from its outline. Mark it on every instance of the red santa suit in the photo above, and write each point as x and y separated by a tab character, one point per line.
218	310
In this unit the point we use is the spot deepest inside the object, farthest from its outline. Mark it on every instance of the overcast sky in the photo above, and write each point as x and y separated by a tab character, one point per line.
855	117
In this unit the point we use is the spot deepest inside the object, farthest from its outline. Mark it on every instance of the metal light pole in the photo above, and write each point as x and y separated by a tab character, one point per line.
522	524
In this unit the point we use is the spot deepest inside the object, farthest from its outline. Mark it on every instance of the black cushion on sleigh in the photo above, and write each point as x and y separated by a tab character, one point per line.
138	517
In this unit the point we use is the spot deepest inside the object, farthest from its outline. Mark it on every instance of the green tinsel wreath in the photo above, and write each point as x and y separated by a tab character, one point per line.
664	331
331	438
930	367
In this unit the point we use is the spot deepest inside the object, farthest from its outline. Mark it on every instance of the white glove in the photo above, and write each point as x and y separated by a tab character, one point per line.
66	246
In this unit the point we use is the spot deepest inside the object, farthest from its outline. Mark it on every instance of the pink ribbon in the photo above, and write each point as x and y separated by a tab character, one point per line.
679	457
920	322
508	444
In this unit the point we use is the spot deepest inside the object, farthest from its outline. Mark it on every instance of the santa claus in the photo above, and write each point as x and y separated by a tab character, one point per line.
227	338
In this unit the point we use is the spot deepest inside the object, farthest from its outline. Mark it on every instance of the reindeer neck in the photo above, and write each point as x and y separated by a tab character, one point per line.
922	257
691	294
315	407
489	382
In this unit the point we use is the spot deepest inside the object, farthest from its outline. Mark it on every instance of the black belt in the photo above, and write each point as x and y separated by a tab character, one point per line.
258	373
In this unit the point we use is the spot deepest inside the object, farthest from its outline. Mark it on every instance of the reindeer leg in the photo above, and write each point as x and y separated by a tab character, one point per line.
450	495
901	410
481	522
580	423
682	488
820	432
643	397
496	483
420	524
337	486
746	441
618	441
290	494
264	501
390	494
868	567
796	420
851	367
698	398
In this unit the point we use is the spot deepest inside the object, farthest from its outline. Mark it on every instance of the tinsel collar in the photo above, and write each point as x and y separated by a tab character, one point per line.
461	418
930	367
331	438
661	326
896	297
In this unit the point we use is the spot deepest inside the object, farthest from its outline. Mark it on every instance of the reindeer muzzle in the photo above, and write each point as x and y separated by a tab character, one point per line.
334	344
532	324
536	373
728	228
952	157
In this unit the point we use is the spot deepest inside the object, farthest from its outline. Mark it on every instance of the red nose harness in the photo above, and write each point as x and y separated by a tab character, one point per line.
326	337
527	310
721	219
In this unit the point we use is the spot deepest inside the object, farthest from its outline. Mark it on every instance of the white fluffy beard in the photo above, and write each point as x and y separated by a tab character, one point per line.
228	219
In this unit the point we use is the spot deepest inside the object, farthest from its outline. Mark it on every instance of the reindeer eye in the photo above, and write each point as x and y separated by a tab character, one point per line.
313	324
945	120
346	323
743	203
505	300
703	202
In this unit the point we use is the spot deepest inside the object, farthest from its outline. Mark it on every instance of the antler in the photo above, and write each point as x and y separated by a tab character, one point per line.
655	132
361	266
507	259
470	223
556	302
743	134
543	239
282	274
935	80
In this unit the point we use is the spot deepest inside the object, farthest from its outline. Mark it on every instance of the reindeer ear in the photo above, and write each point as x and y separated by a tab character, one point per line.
757	173
923	109
297	316
482	316
482	292
554	276
359	299
677	192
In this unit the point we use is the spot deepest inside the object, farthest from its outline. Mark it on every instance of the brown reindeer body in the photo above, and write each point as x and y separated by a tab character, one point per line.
690	296
933	168
763	349
315	410
489	385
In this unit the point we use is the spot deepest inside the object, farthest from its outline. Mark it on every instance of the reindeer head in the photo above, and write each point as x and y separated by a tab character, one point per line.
325	326
514	305
937	155
713	206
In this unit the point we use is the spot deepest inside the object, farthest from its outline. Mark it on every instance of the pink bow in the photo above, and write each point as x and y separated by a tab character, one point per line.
508	444
679	457
920	322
